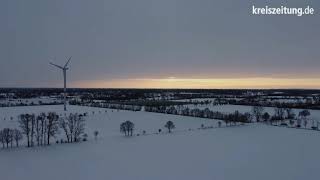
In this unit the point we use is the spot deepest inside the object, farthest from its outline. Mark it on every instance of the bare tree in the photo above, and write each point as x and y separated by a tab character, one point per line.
32	119
73	127
248	117
130	127
44	131
25	123
123	128
2	140
257	112
7	136
279	113
169	125
266	116
11	134
304	114
79	127
39	128
65	127
127	128
52	125
96	133
17	135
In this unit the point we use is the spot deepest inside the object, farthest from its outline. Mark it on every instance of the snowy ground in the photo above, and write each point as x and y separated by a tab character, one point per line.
107	121
248	152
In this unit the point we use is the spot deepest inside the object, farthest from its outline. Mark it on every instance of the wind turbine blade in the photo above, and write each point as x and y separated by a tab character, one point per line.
68	62
56	66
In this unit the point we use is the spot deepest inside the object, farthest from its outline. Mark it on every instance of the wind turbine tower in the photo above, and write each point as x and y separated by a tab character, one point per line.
64	70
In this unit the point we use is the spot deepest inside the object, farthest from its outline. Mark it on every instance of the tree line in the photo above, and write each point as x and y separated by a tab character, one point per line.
16	104
10	136
109	106
281	114
39	130
127	127
234	117
313	103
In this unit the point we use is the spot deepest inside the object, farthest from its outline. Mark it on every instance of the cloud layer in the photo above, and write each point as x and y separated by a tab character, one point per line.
122	40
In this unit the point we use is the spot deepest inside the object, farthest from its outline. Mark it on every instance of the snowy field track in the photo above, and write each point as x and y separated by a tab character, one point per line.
248	152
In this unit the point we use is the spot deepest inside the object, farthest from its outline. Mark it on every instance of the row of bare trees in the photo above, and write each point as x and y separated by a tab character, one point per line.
127	127
73	127
40	129
279	114
10	136
282	114
202	113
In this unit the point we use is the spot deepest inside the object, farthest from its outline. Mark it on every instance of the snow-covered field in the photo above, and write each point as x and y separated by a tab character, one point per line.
248	152
107	121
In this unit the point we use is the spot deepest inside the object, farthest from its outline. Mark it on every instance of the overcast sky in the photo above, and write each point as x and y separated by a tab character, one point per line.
116	40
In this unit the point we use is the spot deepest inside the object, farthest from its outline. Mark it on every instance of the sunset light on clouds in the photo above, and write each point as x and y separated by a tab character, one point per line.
158	44
241	83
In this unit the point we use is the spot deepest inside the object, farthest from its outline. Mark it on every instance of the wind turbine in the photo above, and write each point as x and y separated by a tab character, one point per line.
64	70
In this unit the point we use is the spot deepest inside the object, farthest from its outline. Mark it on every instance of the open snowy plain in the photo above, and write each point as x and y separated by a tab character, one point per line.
249	152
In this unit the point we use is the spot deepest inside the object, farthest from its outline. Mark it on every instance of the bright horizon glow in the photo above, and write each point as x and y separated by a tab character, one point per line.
202	83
